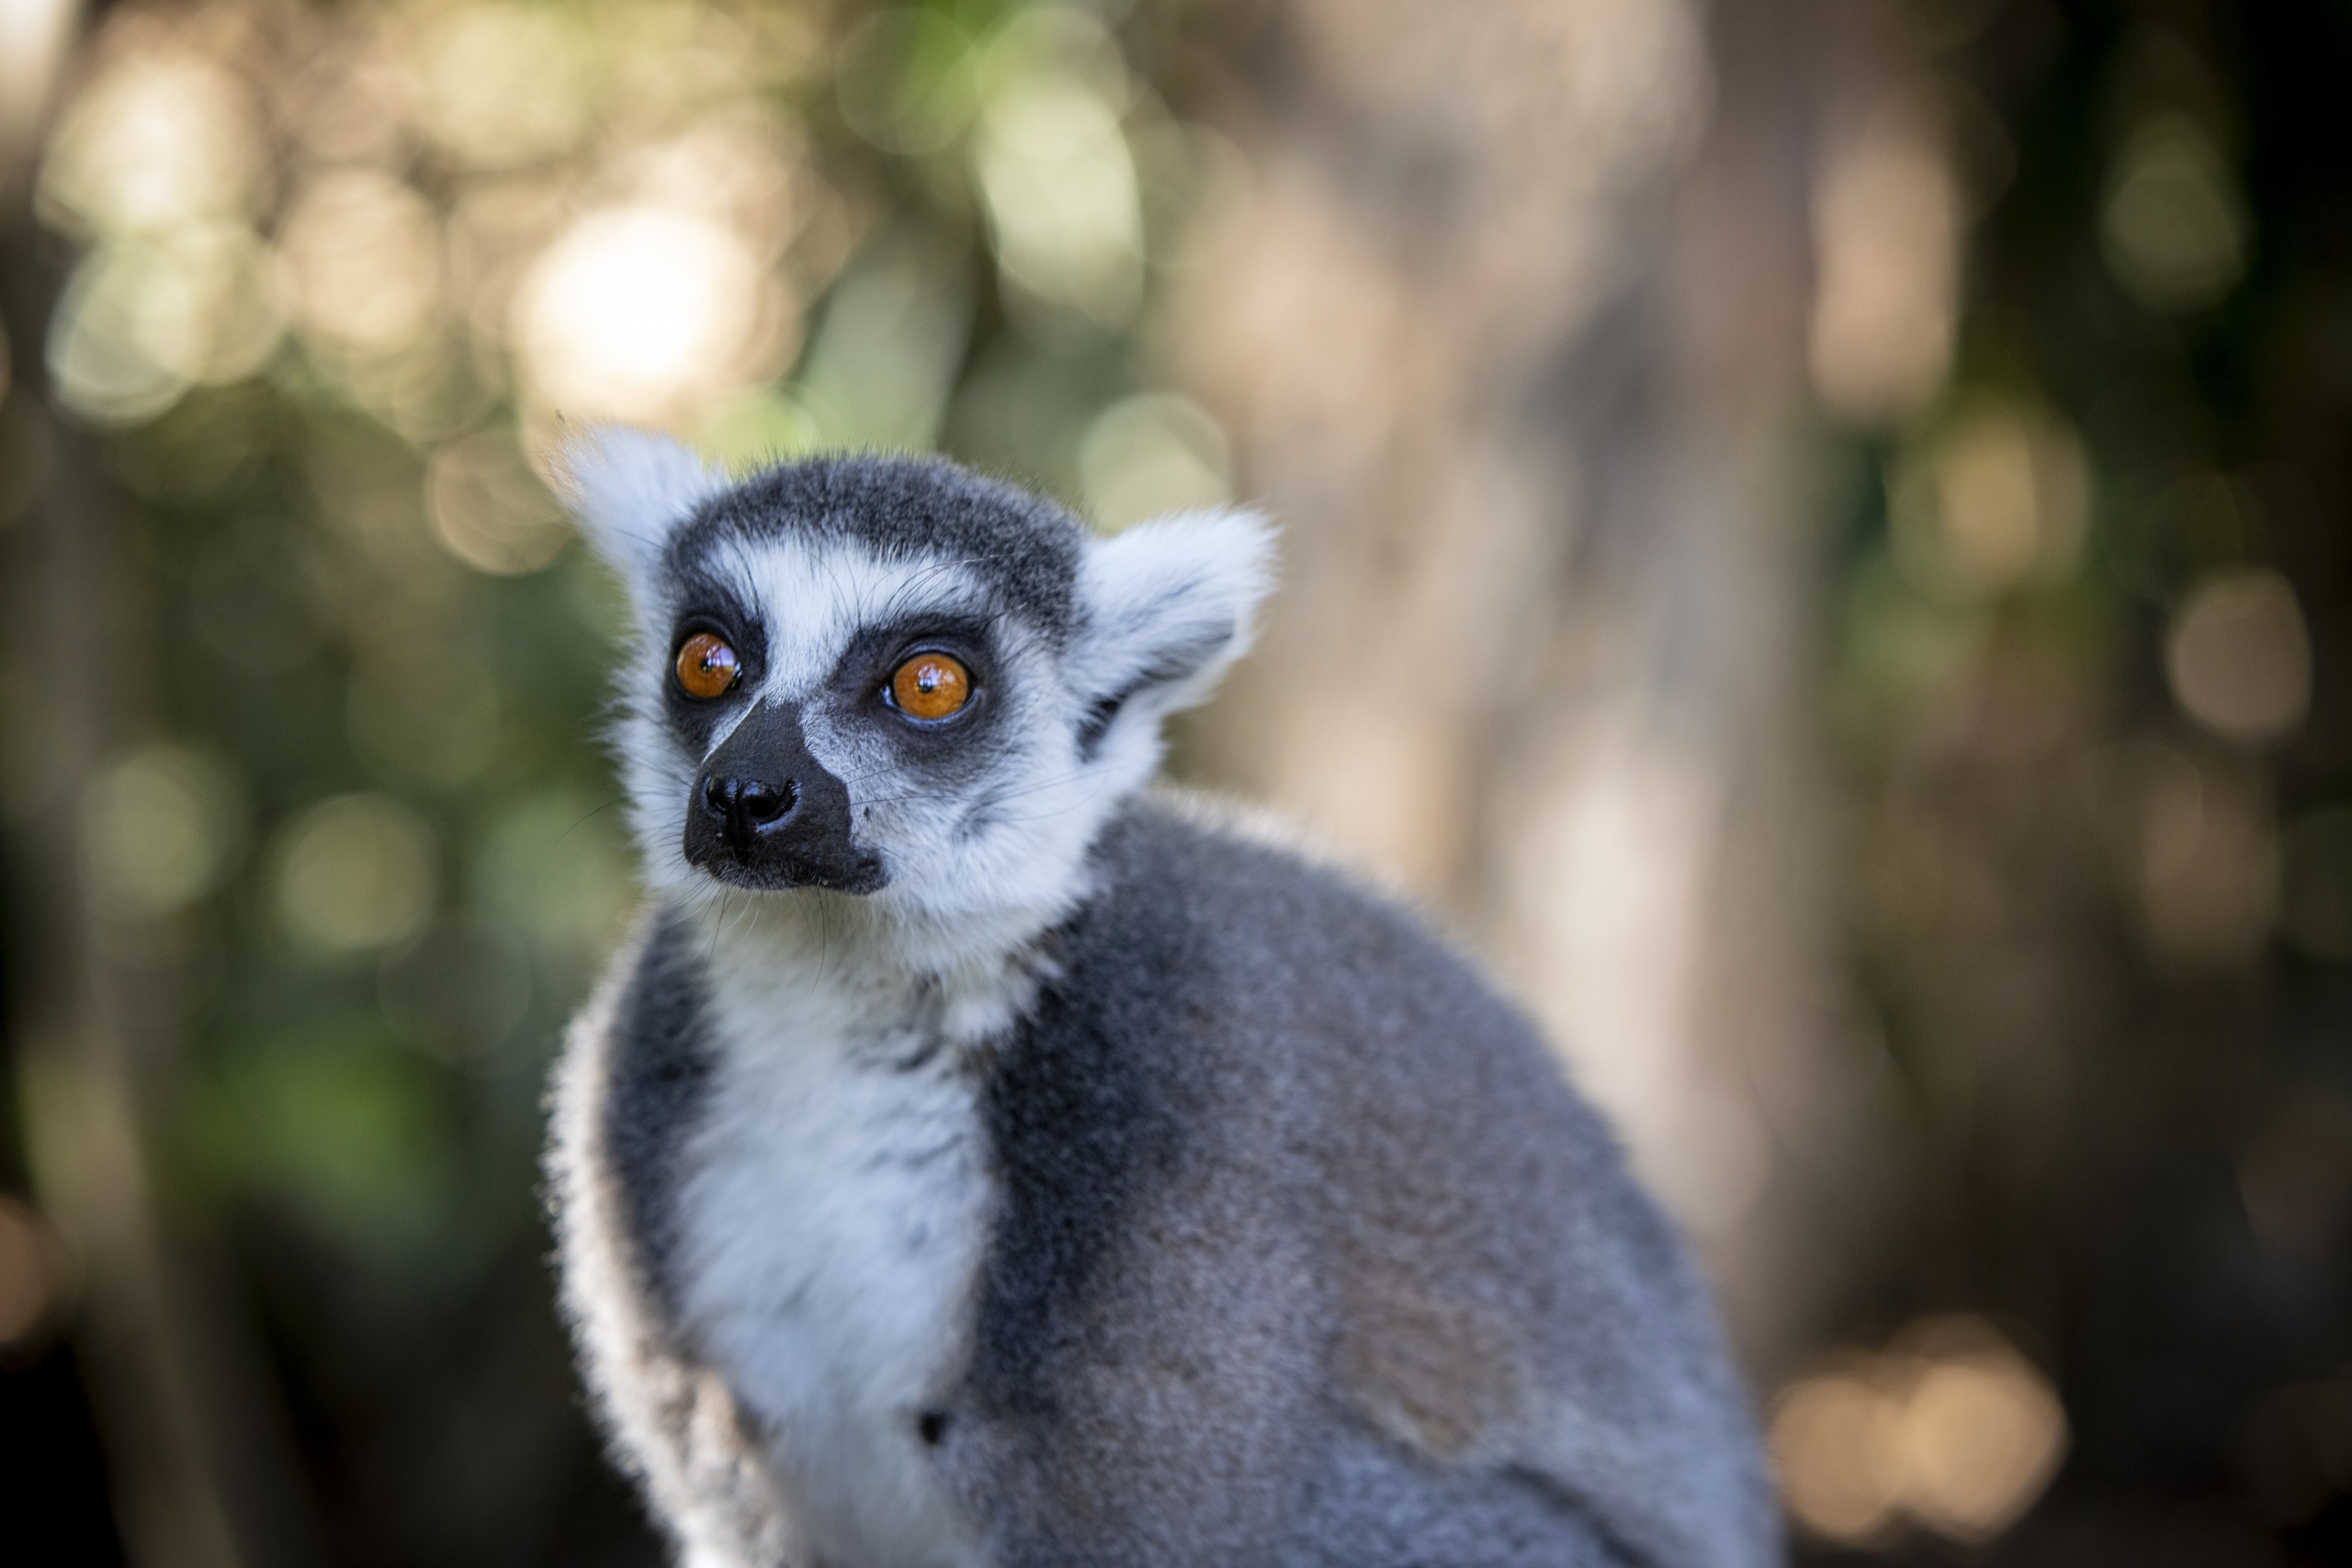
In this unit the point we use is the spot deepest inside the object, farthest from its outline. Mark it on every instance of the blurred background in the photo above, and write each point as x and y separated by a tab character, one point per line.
1829	518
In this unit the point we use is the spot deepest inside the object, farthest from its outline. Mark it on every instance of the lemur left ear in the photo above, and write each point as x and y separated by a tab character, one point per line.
628	490
1168	606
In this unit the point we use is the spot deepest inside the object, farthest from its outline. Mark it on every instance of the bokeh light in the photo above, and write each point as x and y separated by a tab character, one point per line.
507	85
144	320
162	827
1982	1434
489	508
739	166
2239	657
635	310
1055	169
1835	1442
2174	229
355	872
161	138
1994	494
1951	1430
906	80
1887	226
363	255
1062	202
1152	455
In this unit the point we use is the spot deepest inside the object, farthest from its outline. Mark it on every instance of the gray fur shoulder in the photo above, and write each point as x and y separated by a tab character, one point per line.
1302	1226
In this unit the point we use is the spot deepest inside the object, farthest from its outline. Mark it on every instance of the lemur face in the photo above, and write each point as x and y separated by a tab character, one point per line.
891	680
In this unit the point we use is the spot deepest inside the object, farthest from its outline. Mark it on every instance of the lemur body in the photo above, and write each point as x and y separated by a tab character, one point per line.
974	1160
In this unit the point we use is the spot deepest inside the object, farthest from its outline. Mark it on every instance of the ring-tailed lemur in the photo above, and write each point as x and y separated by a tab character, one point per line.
974	1159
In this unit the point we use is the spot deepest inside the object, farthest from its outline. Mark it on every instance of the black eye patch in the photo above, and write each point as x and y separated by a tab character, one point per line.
865	666
708	605
857	687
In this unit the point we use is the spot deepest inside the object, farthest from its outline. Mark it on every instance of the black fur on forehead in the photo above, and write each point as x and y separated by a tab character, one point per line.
1022	546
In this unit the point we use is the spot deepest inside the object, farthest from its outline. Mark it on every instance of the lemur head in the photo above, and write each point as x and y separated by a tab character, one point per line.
891	680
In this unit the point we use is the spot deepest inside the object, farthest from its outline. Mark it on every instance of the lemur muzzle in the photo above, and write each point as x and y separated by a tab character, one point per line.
767	814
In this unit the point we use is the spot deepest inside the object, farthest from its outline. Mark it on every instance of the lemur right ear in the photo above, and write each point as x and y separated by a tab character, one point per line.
1169	605
628	490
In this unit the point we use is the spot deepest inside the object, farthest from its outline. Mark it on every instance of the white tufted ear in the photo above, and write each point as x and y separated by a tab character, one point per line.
628	490
1168	604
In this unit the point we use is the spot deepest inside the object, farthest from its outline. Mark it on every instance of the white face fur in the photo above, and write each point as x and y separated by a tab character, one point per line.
1076	648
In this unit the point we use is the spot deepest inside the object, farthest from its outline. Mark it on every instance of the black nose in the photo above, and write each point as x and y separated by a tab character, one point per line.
764	813
743	807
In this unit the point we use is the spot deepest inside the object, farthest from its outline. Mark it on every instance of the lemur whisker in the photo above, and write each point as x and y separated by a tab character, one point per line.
710	953
824	941
1034	787
998	797
599	811
1091	798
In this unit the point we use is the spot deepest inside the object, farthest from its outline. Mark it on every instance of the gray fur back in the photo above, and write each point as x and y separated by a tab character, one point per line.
1308	1254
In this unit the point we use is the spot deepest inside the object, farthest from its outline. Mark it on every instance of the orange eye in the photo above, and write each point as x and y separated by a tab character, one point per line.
708	667
931	685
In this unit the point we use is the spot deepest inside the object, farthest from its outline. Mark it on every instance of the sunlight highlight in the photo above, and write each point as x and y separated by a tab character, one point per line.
636	310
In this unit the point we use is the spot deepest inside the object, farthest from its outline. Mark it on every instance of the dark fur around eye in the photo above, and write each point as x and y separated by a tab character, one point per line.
862	676
696	719
945	747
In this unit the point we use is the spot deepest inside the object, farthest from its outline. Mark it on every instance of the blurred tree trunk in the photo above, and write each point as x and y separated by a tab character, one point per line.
75	1076
197	1480
1510	324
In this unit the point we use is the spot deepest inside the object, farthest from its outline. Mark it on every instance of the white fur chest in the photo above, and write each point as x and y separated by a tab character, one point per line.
833	1211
